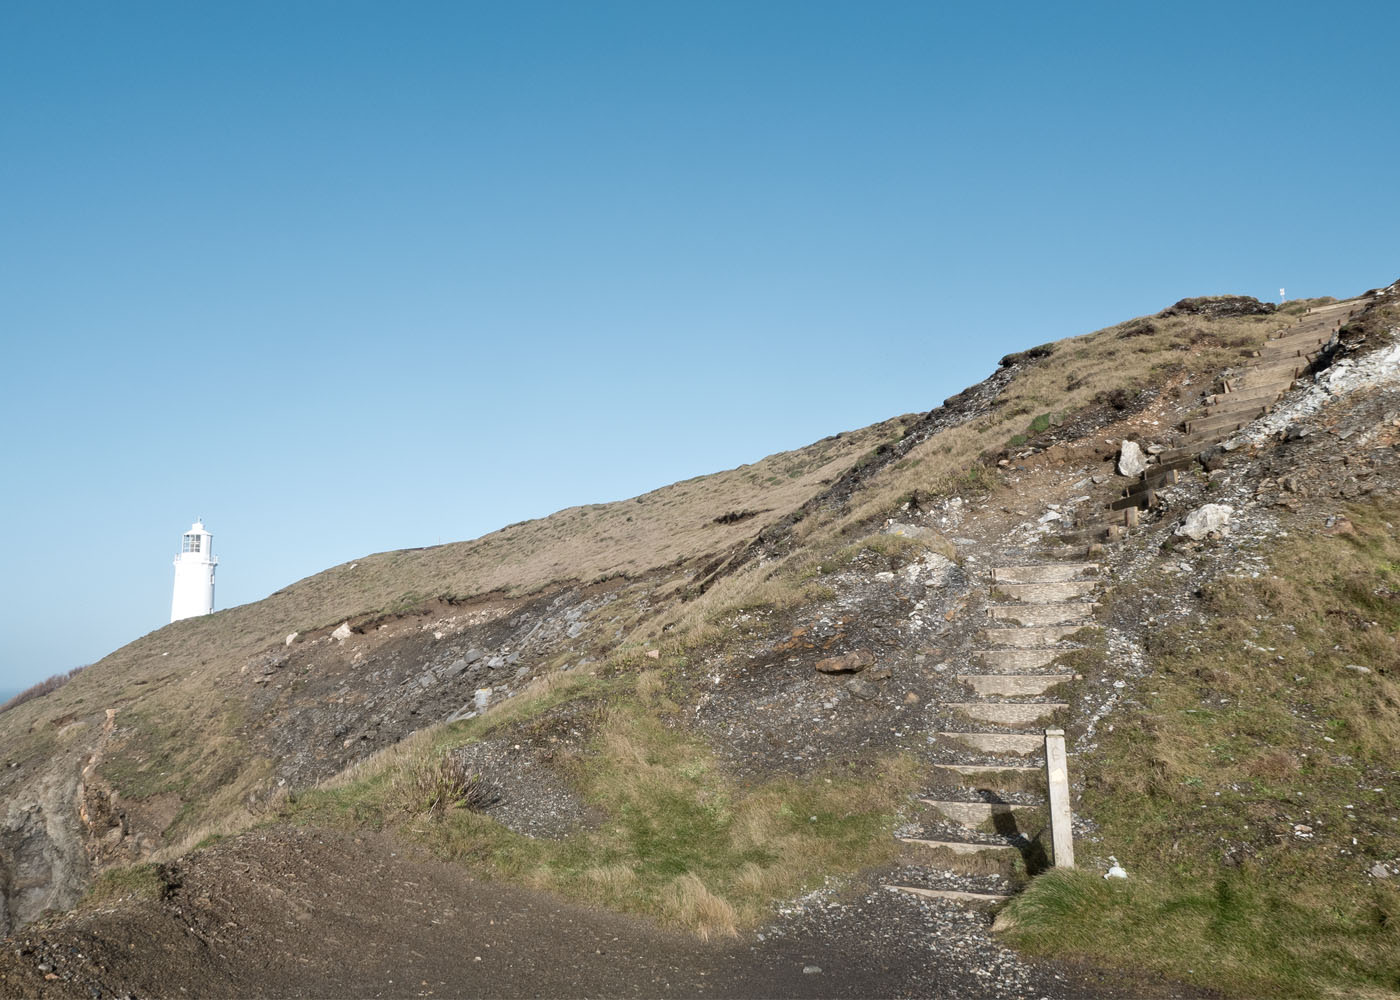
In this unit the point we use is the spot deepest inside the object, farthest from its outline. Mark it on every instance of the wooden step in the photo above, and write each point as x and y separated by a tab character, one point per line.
954	895
1029	636
1007	713
1049	573
975	814
1013	685
1219	402
1069	551
1307	346
1278	381
1086	535
1321	332
1158	475
958	846
1042	614
1228	420
975	775
1020	744
1146	499
1261	376
1151	482
1015	661
1047	593
1177	463
1182	453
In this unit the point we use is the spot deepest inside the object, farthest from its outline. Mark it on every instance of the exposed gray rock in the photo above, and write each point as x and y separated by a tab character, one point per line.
1211	519
1131	461
906	530
862	689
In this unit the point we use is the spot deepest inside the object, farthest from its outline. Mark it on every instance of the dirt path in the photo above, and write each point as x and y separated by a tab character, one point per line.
314	913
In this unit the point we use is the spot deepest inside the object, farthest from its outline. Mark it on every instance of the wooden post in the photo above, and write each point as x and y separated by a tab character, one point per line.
1130	517
1057	777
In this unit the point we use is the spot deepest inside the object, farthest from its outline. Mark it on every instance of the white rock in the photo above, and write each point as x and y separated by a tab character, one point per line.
1131	461
483	699
343	632
292	638
1358	668
1212	519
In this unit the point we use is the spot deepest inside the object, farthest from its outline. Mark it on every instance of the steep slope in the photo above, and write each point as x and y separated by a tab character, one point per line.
667	688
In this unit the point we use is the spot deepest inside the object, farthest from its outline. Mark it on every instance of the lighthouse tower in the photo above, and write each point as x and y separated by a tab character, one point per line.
194	574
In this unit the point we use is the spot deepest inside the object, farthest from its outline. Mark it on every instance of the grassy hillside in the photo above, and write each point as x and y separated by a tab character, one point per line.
662	591
188	725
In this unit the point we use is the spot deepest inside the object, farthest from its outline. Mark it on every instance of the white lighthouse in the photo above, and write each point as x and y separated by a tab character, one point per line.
194	574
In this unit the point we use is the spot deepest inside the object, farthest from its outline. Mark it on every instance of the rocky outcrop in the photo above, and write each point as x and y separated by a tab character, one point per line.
43	860
1218	307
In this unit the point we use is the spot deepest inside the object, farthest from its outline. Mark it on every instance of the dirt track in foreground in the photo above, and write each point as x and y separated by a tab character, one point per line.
316	913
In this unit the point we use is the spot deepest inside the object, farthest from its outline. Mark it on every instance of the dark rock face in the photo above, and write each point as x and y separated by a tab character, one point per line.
1218	307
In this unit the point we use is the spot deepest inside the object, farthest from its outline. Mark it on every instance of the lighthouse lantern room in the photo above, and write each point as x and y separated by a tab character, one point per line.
194	574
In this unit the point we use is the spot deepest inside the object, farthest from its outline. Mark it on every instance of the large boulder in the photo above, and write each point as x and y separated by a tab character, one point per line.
1131	460
1212	519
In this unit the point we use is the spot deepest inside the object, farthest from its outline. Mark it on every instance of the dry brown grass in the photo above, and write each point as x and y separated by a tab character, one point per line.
691	904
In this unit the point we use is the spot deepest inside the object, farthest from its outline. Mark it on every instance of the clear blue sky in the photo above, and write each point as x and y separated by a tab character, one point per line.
344	277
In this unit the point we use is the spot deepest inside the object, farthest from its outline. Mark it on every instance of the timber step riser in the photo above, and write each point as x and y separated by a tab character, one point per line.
1244	414
1029	636
1220	403
1043	614
961	847
1017	744
1062	573
1013	685
1011	714
1046	593
1015	661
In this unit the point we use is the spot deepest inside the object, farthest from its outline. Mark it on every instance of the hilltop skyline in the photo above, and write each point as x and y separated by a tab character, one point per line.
346	279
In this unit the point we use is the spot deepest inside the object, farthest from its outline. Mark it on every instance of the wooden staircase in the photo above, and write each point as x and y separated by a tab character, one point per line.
1245	393
987	802
986	807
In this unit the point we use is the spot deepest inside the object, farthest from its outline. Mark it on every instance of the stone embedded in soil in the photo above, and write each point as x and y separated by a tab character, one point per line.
1131	461
848	663
1210	519
880	673
862	689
